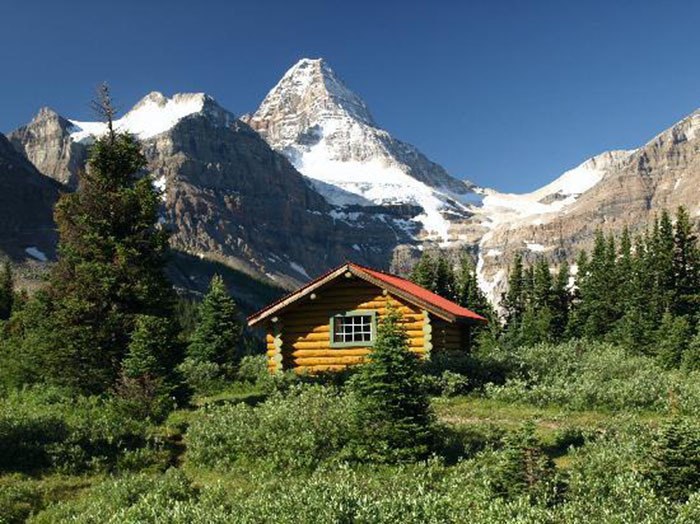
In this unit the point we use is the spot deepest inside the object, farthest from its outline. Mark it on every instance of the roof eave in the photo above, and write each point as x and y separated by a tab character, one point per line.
269	311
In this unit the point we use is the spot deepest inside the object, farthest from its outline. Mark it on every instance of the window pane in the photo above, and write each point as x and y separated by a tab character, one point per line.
352	328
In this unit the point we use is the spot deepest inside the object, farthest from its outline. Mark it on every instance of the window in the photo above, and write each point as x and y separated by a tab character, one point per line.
355	328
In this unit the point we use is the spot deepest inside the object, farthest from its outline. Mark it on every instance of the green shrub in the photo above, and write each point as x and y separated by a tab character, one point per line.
18	499
202	377
44	428
130	499
587	375
252	369
307	425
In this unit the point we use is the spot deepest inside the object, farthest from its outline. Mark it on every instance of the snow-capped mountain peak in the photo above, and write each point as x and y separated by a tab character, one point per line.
310	89
328	133
152	115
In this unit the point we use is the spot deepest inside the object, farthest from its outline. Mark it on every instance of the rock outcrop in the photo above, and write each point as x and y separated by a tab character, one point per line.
27	198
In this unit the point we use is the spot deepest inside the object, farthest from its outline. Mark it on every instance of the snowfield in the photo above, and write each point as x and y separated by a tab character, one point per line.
153	115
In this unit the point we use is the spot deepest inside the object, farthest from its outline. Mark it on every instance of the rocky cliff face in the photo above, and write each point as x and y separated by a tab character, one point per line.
27	231
47	143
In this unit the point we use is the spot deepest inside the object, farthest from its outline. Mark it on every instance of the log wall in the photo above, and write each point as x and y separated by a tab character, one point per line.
303	333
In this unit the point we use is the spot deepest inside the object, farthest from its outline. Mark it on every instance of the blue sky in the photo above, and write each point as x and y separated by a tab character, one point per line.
507	94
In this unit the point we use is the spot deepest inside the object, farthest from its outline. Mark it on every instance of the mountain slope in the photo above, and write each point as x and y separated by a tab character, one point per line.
329	135
227	196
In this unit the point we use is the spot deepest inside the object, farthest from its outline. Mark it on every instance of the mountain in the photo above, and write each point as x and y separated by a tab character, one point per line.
327	132
227	196
310	180
27	229
609	191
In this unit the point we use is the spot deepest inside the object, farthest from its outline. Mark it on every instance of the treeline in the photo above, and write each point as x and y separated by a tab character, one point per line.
642	293
108	320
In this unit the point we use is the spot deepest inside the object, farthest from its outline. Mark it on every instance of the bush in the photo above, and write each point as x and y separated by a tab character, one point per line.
43	428
588	375
252	369
603	484
202	377
300	429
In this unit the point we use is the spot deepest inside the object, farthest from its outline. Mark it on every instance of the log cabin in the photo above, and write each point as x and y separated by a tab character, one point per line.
331	322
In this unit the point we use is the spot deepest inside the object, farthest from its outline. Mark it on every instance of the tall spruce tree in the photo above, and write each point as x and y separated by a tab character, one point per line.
468	292
561	301
514	300
424	273
217	337
596	308
110	268
148	383
686	266
7	291
445	284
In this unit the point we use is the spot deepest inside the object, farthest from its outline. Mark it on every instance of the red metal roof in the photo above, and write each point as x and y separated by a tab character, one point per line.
399	284
420	292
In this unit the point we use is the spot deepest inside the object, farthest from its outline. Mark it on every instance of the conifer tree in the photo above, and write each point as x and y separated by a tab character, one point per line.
425	272
596	309
7	291
561	301
468	292
514	300
524	468
542	285
148	382
672	340
675	465
690	361
574	327
686	266
217	336
110	268
393	417
444	278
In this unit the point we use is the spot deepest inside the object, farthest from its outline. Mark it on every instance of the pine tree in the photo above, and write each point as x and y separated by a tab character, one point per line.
597	310
690	361
523	468
425	272
445	285
7	291
542	296
672	340
561	301
514	300
217	336
393	417
675	467
686	266
148	382
574	327
468	292
110	269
